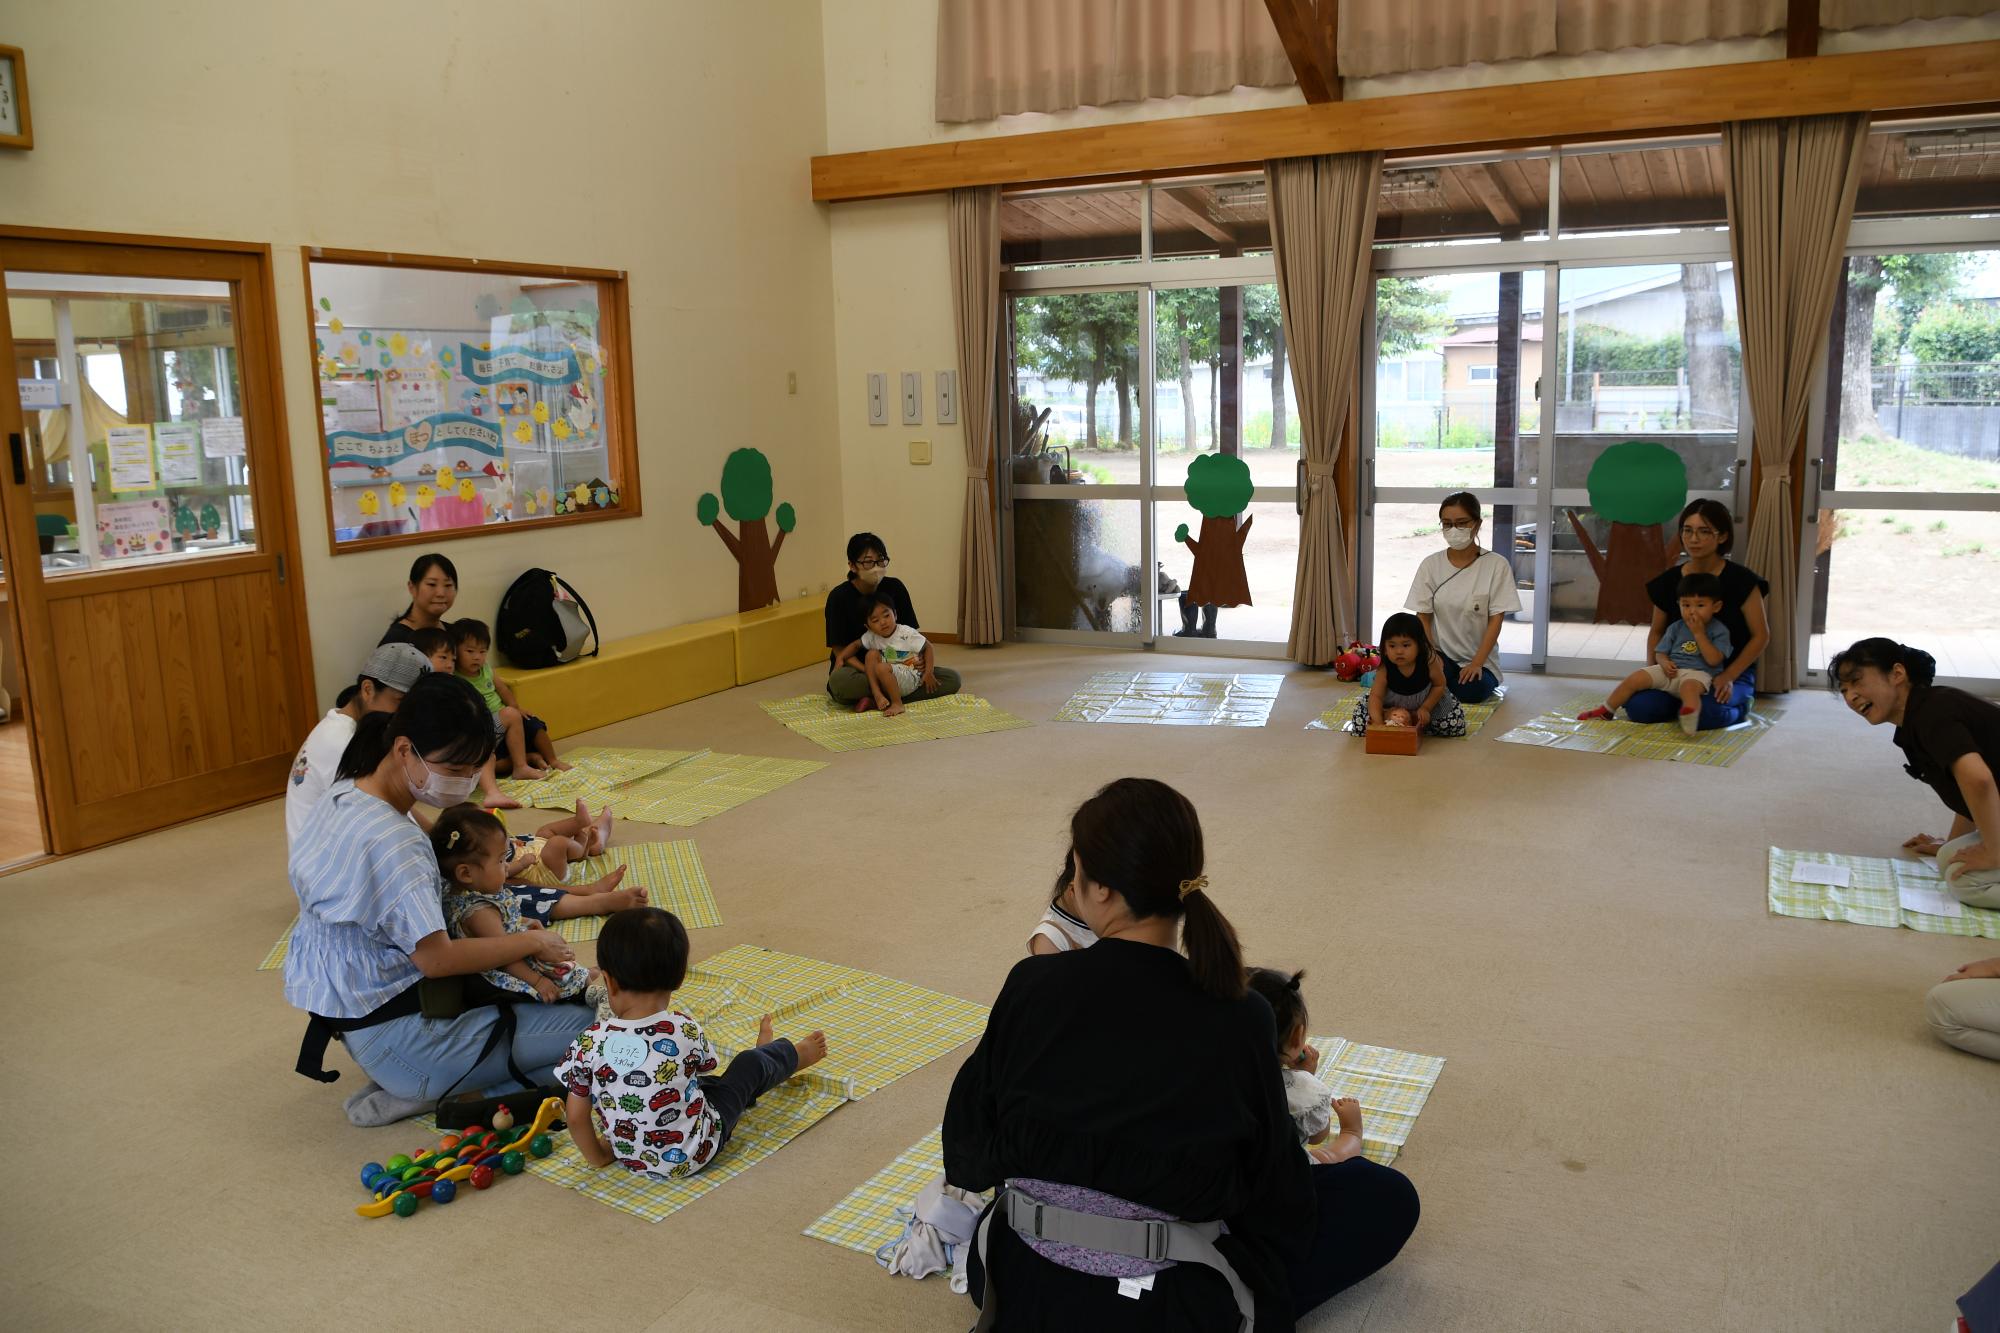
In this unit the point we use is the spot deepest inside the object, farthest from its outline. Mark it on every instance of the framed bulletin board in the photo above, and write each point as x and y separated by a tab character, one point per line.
15	129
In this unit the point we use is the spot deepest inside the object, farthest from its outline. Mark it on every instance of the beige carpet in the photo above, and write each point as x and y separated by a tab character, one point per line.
1664	1109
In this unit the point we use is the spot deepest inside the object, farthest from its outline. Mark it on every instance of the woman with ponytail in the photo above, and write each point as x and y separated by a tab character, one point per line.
371	923
1133	1087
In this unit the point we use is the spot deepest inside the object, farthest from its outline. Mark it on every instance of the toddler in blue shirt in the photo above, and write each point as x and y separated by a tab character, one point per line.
1685	660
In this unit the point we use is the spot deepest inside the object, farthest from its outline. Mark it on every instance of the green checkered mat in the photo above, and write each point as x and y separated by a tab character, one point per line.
827	724
670	871
878	1029
1174	699
1390	1085
1559	729
1873	896
675	787
1340	717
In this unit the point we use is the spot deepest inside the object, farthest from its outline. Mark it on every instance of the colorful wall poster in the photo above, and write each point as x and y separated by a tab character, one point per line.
356	406
130	449
518	363
180	455
380	448
134	527
413	398
222	437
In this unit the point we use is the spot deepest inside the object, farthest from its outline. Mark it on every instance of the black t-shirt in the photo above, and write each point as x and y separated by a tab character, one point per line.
1737	585
846	607
1942	725
397	632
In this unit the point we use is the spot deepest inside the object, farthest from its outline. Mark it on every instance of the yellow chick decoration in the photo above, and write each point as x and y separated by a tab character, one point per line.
560	430
424	496
396	495
371	504
446	478
540	414
524	432
466	490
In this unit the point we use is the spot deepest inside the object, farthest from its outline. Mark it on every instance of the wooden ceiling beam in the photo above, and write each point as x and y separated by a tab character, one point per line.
1558	111
1491	191
1801	29
1308	37
1175	206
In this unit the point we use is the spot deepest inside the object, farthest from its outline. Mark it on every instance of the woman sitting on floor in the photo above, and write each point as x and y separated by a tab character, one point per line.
433	589
1129	1081
1707	533
371	926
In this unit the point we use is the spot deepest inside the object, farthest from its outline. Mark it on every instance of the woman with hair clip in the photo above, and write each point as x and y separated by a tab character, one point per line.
1707	532
371	924
1126	1099
1950	741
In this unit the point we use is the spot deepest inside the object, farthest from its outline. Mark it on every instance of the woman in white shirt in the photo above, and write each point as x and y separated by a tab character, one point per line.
1462	593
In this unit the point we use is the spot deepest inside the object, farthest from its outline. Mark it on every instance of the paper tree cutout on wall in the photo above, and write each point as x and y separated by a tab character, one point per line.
746	497
1637	485
1219	486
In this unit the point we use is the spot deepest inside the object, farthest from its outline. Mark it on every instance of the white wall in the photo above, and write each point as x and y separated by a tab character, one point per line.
669	140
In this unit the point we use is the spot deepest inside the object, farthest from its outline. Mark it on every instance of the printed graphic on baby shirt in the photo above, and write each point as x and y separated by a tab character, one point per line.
641	1079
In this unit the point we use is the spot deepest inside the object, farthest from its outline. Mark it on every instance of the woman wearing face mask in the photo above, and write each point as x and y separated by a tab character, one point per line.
1706	535
371	926
847	606
1462	594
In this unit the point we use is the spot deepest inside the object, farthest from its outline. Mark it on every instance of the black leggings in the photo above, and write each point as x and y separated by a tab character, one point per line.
1366	1213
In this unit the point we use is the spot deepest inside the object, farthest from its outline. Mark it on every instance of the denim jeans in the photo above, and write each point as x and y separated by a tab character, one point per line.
749	1076
1475	692
1659	706
423	1058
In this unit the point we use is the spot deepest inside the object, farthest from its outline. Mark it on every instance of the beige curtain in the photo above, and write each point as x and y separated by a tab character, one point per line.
1396	36
1322	233
1609	25
1841	15
975	305
998	57
1791	187
98	419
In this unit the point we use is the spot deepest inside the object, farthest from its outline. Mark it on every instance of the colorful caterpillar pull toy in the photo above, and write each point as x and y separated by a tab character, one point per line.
472	1155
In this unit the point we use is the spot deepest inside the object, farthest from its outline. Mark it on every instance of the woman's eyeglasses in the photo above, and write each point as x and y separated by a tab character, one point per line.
1466	524
1689	531
866	563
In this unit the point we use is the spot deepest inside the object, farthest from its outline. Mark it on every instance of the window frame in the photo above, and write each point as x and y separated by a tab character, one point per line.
620	420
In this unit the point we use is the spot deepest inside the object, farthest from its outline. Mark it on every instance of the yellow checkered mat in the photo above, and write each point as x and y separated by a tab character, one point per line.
671	873
878	1029
675	787
1391	1086
827	724
1339	716
1558	729
1174	699
1873	895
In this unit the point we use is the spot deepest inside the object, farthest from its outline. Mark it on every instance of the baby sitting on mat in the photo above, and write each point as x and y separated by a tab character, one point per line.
897	659
642	1087
1686	657
1312	1104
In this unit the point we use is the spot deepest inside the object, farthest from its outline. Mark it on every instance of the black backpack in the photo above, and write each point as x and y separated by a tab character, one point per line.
539	625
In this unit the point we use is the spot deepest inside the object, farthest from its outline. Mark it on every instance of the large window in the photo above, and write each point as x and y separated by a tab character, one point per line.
469	398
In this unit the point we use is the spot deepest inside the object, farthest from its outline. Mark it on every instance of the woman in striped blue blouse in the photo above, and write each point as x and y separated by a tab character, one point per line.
371	927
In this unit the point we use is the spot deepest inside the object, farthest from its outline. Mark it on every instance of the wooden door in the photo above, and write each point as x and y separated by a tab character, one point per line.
164	643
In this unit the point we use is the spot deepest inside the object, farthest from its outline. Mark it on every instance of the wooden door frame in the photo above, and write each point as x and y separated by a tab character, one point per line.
275	500
17	516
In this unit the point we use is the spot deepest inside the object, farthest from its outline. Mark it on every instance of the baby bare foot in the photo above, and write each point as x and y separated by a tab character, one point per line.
494	800
561	765
811	1048
1349	1112
765	1031
612	880
529	773
600	832
631	897
893	710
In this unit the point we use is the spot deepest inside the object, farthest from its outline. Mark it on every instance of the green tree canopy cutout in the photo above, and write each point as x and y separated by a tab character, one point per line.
746	485
707	508
1218	485
1636	482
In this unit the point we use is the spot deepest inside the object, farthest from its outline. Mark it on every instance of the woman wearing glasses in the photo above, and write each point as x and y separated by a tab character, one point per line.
1706	535
847	606
1462	593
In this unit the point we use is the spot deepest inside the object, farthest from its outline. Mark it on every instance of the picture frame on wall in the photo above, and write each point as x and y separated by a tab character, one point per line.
16	131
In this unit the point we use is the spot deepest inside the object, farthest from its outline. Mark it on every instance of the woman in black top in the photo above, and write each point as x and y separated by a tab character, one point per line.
433	588
1131	1070
1707	533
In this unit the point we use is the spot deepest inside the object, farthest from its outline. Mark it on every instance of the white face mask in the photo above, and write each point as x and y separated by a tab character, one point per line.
442	790
868	578
1458	538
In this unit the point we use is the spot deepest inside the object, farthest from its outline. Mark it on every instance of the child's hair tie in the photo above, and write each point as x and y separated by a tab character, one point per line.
451	843
1196	885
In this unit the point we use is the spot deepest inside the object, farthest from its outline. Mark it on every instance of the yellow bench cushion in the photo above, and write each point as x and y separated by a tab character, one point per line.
779	638
629	677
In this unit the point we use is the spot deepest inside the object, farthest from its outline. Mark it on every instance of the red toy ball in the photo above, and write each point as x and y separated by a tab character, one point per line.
482	1176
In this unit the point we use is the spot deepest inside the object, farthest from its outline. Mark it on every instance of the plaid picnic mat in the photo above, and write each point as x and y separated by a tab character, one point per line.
1174	698
827	724
1340	715
671	872
1871	898
675	787
1391	1086
1559	729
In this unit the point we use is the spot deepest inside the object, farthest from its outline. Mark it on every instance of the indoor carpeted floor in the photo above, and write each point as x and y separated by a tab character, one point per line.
1663	1108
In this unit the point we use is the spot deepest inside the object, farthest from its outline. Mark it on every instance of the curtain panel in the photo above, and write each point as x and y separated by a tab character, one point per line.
999	57
1790	191
1322	234
1397	36
1842	15
975	306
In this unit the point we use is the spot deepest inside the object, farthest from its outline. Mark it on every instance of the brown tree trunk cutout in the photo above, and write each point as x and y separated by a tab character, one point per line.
1634	553
1218	578
756	562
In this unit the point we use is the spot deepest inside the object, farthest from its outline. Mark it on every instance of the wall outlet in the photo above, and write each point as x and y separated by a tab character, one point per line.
920	452
947	396
913	398
791	381
878	398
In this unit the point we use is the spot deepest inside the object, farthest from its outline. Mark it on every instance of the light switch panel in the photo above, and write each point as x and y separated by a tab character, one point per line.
920	452
913	398
947	395
878	399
